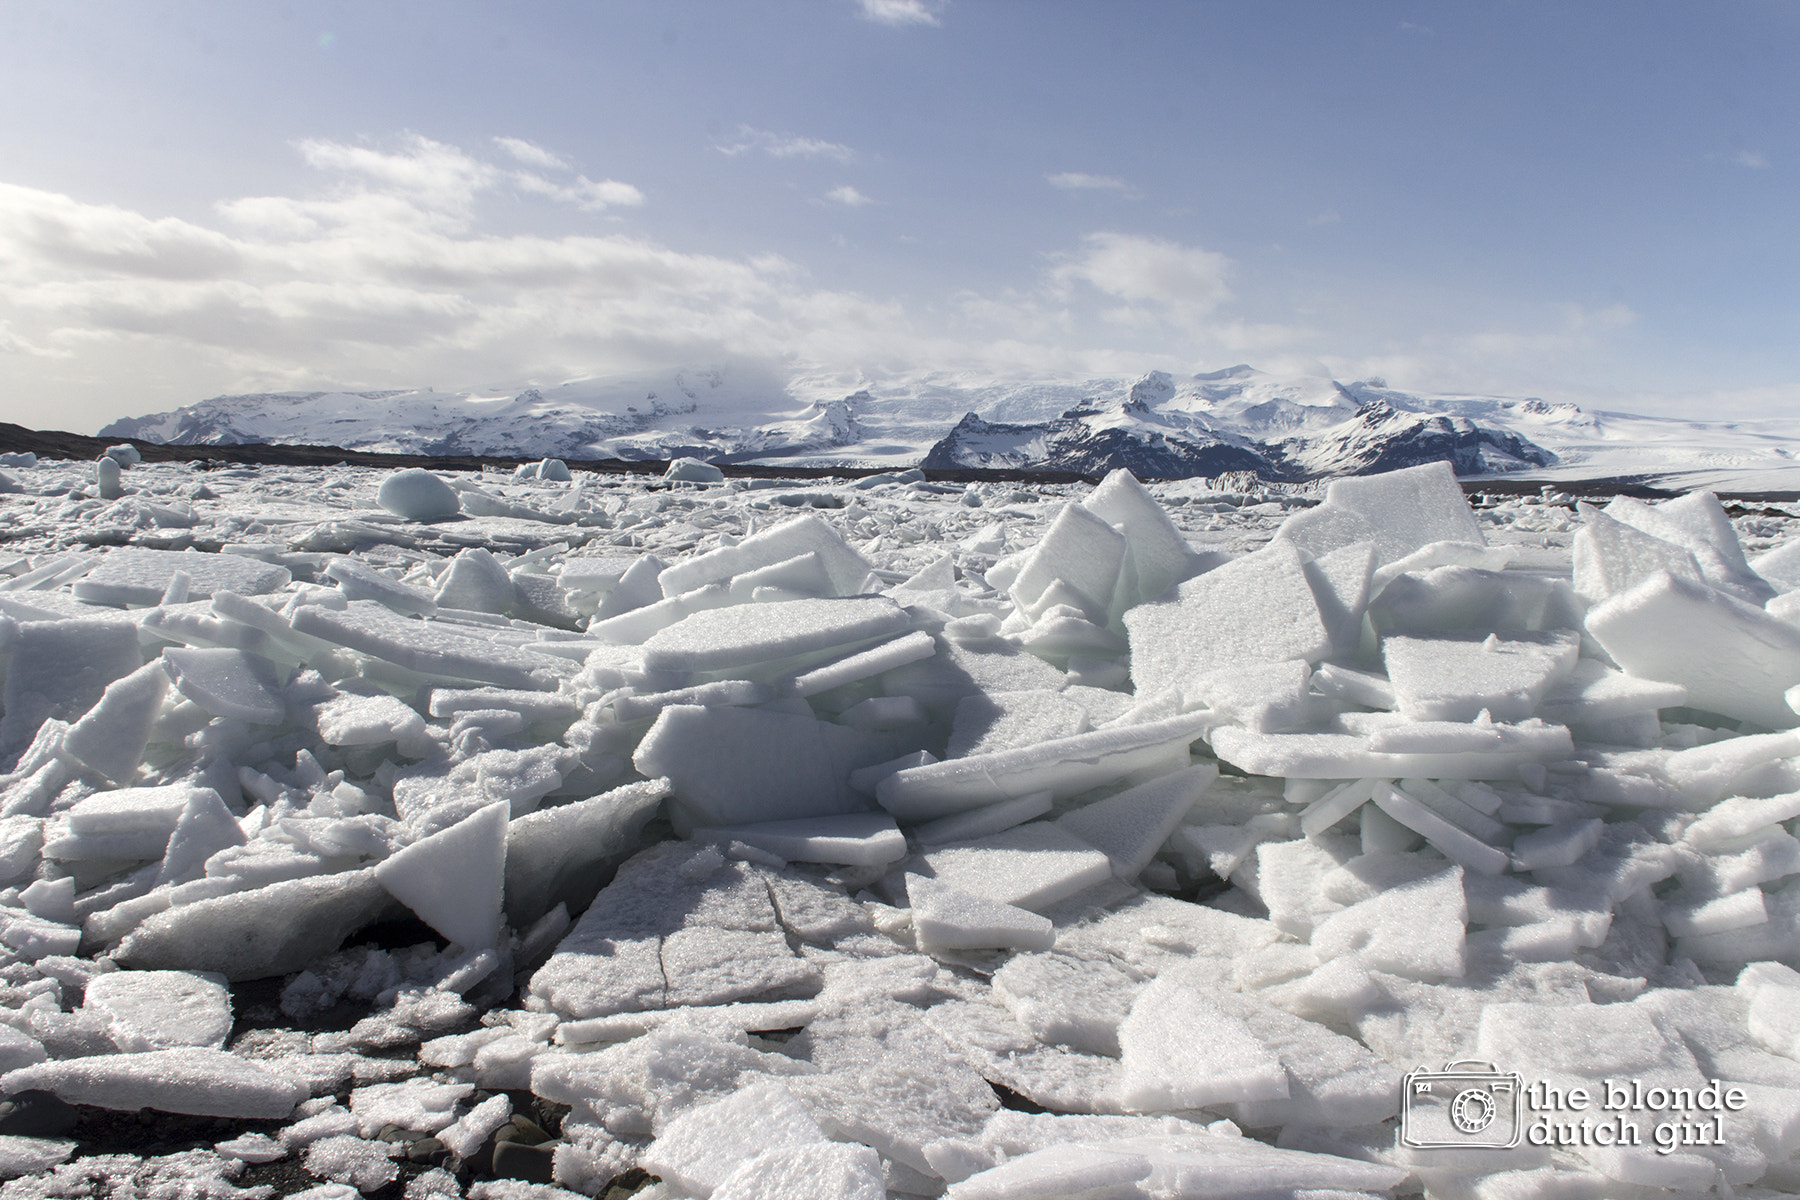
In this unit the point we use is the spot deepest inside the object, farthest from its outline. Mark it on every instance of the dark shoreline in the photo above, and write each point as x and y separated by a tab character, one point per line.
57	444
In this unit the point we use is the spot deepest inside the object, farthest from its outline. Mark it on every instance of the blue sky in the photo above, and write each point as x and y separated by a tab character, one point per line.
1591	202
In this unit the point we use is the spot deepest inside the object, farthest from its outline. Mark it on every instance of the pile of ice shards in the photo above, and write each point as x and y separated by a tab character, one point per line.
1095	863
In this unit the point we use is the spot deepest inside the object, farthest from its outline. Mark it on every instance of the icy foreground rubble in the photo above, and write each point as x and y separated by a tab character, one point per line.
984	842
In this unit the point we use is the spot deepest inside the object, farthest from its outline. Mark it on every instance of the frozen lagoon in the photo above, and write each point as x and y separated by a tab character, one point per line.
980	841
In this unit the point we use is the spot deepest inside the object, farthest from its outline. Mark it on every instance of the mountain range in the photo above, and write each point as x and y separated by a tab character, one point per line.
1158	425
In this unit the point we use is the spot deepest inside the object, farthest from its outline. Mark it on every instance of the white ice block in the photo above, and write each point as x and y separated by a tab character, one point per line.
989	722
817	1171
415	494
733	766
1740	817
1408	508
1346	756
743	635
699	1149
1733	658
562	854
1031	866
1066	767
1593	691
363	715
979	822
1264	697
1130	827
161	1010
226	683
950	918
135	576
1454	679
1455	842
110	738
864	664
853	839
1083	552
1612	557
1181	1050
476	581
801	535
1259	608
1157	553
197	1080
359	582
429	647
1415	929
1056	1172
453	879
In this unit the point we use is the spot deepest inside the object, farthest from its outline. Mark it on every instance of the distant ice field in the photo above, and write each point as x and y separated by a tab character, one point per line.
519	834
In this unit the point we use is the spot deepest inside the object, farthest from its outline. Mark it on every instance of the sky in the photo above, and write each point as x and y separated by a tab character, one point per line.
1588	202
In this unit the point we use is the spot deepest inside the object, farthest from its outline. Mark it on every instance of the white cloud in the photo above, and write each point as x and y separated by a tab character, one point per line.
1756	160
901	12
531	154
848	196
584	193
784	145
1156	279
1075	181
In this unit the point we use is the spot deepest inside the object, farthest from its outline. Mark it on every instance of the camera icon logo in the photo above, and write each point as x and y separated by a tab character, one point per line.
1467	1105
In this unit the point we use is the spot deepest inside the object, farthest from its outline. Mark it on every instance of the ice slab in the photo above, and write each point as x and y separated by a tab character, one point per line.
733	766
701	1148
1131	827
852	839
1031	866
1595	692
195	1080
1415	929
1065	767
1346	756
1409	508
160	1010
134	576
693	470
743	635
802	535
950	918
1455	679
979	822
1079	550
1069	1001
415	494
273	930
226	683
993	721
110	737
58	669
816	1171
453	879
1258	608
359	582
429	648
1612	557
1181	1049
1156	554
1732	657
876	660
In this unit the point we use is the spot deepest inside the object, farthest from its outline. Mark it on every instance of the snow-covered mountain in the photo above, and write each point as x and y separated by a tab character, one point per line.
1158	425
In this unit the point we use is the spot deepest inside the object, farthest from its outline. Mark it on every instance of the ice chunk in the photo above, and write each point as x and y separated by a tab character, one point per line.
428	647
204	828
453	879
1181	1050
361	714
693	470
952	919
58	669
134	576
876	660
415	494
1068	1001
358	582
1131	827
1560	845
1258	608
1333	1081
476	581
1612	557
855	839
724	639
702	1147
1065	766
1069	1170
1079	550
272	930
195	1080
112	735
1031	866
732	766
1740	817
1595	692
1345	756
979	822
1733	658
1455	679
1157	555
1415	929
226	683
1408	508
818	1171
1455	842
1325	529
801	535
1340	583
160	1010
1265	697
993	721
